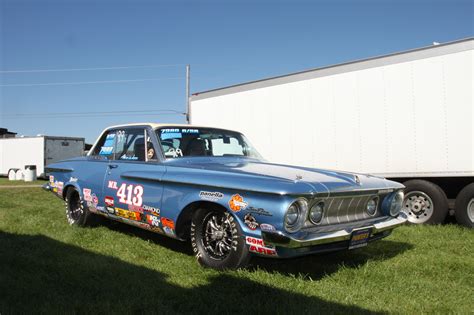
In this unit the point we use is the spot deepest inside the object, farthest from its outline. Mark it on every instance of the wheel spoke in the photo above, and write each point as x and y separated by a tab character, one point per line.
217	235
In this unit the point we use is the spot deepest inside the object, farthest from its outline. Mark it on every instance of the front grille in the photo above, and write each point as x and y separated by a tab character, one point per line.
345	209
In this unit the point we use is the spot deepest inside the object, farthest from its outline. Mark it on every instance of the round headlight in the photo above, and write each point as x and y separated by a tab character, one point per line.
372	206
295	215
292	214
316	213
396	204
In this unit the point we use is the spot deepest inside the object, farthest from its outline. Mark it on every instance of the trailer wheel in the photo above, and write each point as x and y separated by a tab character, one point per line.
425	202
464	208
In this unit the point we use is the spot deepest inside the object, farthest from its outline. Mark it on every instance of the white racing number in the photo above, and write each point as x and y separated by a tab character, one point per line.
120	136
174	152
130	194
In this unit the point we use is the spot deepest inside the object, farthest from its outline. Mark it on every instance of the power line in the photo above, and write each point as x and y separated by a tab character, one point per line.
98	113
93	116
90	82
91	69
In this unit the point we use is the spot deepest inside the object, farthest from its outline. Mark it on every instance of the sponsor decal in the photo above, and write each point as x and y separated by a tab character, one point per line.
106	150
168	230
165	222
135	208
130	194
109	201
237	203
142	225
112	184
258	211
189	131
86	192
167	130
127	214
250	221
60	186
95	200
126	157
256	245
267	227
108	146
210	195
153	210
152	220
121	135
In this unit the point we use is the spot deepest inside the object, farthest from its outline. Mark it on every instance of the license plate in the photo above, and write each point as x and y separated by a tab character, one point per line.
359	238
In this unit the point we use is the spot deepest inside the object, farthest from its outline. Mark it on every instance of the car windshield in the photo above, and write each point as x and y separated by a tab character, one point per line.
186	142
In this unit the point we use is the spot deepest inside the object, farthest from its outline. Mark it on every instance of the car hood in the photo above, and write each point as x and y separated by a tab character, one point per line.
252	174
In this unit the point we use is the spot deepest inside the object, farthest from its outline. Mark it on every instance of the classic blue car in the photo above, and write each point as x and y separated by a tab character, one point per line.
212	187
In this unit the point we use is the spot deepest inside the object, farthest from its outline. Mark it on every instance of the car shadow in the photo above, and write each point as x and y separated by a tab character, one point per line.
42	275
312	267
155	238
317	266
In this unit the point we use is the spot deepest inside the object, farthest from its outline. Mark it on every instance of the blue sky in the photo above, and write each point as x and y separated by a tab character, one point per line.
225	42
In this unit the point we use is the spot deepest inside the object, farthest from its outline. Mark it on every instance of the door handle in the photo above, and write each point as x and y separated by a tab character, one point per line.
113	165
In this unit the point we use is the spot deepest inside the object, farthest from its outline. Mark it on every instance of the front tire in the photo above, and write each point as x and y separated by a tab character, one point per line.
76	213
425	202
217	240
464	208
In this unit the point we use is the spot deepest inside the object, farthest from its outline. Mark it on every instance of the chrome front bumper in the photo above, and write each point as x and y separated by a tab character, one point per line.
314	238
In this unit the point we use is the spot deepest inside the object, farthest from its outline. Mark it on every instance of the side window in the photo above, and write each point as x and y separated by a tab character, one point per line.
105	146
130	145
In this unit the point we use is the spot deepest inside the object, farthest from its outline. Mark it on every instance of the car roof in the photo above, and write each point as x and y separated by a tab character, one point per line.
155	126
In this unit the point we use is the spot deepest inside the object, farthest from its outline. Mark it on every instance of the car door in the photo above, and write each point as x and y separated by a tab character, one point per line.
90	175
132	185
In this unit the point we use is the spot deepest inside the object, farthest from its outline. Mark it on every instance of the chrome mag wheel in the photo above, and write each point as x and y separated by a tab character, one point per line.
75	209
218	235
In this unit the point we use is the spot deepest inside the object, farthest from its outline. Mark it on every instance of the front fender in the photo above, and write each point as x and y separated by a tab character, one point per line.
250	209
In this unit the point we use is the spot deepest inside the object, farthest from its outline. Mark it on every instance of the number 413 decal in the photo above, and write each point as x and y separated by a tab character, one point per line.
130	194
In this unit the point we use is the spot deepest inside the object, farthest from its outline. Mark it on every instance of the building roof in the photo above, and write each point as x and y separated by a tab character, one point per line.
398	57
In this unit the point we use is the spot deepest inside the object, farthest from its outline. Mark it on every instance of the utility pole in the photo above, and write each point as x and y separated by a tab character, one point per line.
188	73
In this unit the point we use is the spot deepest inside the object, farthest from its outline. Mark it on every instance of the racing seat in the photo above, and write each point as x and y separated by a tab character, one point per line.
139	148
196	147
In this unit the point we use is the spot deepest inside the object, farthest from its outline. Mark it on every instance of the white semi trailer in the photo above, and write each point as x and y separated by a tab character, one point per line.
406	116
16	153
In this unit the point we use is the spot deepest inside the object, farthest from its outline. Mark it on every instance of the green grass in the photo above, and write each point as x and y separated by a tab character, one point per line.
47	266
6	182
